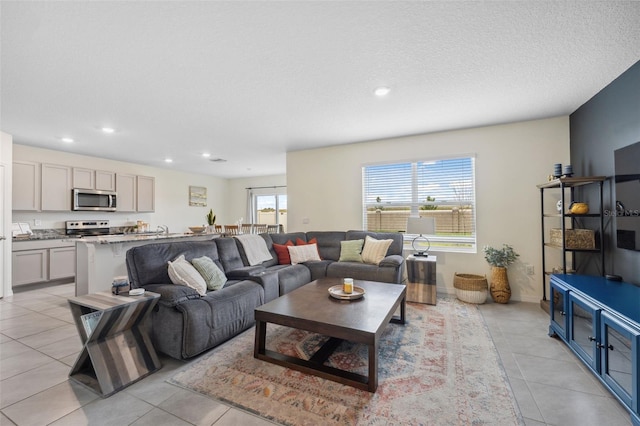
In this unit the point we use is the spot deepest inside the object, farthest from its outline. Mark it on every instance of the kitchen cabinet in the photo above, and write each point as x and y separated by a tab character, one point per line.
93	179
603	330
37	261
145	200
56	187
62	262
29	267
126	189
105	181
135	193
26	186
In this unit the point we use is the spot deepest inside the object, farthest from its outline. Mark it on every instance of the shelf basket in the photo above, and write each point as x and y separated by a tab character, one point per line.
471	288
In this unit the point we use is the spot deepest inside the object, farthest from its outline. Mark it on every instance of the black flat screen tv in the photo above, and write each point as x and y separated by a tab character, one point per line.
627	196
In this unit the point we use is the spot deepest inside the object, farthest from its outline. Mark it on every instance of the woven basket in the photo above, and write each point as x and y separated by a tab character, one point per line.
471	288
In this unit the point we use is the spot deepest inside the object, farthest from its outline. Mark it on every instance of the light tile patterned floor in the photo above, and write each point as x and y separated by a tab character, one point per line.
39	344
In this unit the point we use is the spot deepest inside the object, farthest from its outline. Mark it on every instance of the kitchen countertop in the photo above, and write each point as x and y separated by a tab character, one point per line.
123	238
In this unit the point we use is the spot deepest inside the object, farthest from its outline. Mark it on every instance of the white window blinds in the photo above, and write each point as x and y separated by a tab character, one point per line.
443	189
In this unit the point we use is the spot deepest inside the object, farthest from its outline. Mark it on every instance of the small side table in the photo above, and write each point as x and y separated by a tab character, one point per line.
421	283
117	349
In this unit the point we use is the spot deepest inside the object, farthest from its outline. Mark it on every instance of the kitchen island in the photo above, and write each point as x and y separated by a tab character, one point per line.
101	258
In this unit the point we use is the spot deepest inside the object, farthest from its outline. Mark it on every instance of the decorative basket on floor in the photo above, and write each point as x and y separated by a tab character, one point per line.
471	288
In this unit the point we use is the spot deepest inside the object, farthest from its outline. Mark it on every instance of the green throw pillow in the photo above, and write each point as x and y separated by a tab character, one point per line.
350	251
212	275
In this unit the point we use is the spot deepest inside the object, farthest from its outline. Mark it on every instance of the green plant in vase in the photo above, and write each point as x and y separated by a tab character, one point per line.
499	259
211	219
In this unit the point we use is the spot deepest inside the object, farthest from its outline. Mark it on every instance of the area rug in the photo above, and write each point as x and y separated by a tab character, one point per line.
441	368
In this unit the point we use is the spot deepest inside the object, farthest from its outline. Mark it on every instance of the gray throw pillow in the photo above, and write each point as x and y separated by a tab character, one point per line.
213	276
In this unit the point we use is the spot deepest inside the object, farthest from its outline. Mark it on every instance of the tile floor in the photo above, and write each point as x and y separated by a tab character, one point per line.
39	343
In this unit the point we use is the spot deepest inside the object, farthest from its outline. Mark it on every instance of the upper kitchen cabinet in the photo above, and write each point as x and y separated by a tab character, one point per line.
105	181
56	187
126	189
94	179
135	193
146	193
26	186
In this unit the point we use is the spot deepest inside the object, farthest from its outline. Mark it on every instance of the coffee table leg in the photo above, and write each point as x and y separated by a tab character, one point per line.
261	333
373	366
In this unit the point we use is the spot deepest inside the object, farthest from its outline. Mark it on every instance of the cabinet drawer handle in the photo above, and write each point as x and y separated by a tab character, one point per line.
600	346
591	338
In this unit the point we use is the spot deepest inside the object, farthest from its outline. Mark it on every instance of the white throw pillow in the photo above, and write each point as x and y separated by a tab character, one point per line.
375	250
305	253
182	272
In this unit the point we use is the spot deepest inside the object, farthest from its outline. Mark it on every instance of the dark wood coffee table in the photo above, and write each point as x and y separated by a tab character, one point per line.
311	308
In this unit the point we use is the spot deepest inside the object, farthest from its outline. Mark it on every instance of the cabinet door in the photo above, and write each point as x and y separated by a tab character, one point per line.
26	186
62	262
584	333
146	194
558	308
29	266
105	181
56	187
619	358
126	188
83	178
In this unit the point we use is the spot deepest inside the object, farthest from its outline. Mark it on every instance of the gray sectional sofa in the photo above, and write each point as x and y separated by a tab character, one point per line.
185	323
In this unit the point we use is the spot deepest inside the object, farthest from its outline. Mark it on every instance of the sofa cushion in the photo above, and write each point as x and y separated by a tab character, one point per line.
283	252
329	243
182	272
374	250
212	274
303	253
351	251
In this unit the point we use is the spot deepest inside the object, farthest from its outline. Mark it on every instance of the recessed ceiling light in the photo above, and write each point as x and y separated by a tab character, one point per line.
108	129
168	160
67	140
382	91
206	154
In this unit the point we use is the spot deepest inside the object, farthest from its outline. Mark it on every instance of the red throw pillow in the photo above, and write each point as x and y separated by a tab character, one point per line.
283	252
301	242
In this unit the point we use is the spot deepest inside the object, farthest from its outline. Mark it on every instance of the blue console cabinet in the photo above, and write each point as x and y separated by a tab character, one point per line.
600	321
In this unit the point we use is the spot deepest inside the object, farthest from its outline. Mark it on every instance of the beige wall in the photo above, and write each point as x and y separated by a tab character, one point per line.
324	188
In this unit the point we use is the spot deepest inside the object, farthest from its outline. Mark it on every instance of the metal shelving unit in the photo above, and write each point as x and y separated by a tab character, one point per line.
563	184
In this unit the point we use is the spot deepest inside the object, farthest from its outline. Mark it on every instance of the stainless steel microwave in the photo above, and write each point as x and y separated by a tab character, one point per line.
92	200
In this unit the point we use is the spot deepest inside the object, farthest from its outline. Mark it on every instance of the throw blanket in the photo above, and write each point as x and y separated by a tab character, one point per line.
255	247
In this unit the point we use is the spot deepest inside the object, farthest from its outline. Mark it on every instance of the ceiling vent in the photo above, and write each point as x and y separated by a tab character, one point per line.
218	160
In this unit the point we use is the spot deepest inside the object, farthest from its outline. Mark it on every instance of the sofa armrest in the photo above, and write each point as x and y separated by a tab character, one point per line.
394	260
171	294
269	282
244	273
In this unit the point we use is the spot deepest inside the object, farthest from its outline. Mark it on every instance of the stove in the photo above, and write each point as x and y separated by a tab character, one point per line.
80	228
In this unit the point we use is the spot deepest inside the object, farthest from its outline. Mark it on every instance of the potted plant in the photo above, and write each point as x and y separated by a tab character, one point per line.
500	259
211	220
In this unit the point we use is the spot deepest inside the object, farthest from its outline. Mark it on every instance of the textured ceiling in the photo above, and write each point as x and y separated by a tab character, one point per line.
249	81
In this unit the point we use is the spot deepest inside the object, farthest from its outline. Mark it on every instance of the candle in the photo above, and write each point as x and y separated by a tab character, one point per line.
347	285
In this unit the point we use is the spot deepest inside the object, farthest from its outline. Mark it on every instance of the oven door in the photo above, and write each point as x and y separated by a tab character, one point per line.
89	200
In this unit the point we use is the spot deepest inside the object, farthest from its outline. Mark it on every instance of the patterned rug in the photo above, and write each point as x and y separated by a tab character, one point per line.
441	368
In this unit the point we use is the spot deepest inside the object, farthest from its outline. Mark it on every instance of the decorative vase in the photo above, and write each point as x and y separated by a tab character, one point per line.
499	289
